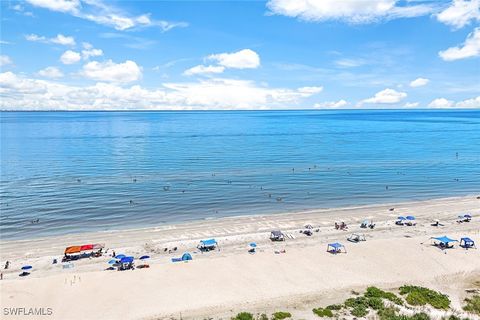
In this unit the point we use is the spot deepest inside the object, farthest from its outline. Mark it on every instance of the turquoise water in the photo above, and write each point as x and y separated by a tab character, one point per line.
91	171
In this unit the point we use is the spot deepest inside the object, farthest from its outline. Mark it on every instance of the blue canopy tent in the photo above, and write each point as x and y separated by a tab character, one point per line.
24	271
126	260
410	220
207	245
467	243
185	257
443	242
400	220
336	248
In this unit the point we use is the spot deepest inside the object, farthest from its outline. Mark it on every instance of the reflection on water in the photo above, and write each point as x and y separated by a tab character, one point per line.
88	171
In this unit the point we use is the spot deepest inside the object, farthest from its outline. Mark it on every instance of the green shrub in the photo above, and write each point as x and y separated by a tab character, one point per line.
281	315
375	303
419	296
358	301
473	304
420	316
321	312
359	311
374	292
334	307
393	297
263	316
243	316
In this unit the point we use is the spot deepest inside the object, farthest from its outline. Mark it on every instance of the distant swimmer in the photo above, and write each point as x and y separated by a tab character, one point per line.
456	155
131	201
134	180
78	180
293	169
386	187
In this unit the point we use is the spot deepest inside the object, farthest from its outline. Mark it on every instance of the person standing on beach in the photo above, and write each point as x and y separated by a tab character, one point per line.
7	264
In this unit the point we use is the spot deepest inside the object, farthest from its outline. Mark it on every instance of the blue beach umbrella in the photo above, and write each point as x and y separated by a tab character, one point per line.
144	257
120	256
467	216
126	260
113	261
253	245
401	218
410	218
27	267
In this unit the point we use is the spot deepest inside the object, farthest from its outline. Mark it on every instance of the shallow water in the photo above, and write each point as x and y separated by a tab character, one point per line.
90	171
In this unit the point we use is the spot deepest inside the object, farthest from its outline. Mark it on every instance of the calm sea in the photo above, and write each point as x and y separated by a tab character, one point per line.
91	171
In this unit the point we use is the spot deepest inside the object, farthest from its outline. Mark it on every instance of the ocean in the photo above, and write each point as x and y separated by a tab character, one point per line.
67	172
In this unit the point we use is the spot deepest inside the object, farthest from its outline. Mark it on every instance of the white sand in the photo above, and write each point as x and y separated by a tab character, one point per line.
223	282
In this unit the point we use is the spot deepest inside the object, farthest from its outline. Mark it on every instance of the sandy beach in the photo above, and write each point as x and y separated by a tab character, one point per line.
222	282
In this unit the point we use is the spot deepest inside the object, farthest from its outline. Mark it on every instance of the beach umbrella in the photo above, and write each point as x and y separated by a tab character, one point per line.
253	245
401	218
467	216
410	218
126	260
27	267
144	257
113	261
120	256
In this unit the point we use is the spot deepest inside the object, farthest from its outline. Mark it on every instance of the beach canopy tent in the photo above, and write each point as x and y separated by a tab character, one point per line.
126	260
336	248
277	235
207	245
85	247
467	243
444	241
186	256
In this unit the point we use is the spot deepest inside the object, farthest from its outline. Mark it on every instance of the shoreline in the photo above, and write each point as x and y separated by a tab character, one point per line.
214	220
234	280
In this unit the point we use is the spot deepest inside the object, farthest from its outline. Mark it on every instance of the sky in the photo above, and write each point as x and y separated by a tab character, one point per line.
209	55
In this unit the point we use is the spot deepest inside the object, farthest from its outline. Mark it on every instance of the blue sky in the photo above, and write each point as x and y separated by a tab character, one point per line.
86	54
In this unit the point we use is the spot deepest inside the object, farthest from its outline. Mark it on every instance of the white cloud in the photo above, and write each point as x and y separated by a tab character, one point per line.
50	72
70	57
109	71
34	37
419	82
201	69
89	51
349	63
330	104
411	105
469	49
71	6
387	96
101	13
469	103
441	103
19	93
59	39
63	40
243	59
351	11
460	13
5	60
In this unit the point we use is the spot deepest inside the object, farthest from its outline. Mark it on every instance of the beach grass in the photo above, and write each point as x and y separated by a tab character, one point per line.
420	296
472	304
